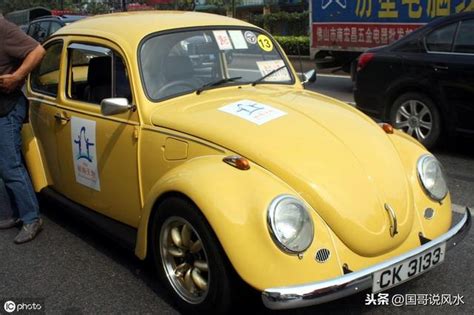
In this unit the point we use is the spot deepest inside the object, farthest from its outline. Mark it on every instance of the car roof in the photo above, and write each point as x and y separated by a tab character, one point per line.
136	25
452	18
63	18
429	27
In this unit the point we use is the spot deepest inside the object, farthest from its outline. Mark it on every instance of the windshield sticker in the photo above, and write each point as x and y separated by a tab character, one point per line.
238	40
84	152
254	112
223	40
266	67
250	37
265	43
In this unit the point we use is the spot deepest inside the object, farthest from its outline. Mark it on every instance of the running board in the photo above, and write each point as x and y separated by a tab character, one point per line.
125	235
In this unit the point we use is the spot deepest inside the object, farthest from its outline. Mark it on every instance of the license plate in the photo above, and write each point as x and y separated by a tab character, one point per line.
408	269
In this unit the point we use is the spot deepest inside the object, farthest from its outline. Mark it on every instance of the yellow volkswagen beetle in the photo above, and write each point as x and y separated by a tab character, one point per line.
189	137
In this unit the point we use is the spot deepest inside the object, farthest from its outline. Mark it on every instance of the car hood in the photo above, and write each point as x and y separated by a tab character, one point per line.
338	160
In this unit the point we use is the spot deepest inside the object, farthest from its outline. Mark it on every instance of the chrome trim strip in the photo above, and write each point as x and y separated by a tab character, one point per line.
393	220
336	288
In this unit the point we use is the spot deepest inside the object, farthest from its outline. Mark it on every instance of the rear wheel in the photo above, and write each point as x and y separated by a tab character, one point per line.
189	259
417	115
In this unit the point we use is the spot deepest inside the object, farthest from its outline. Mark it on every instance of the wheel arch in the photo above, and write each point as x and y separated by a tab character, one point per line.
400	88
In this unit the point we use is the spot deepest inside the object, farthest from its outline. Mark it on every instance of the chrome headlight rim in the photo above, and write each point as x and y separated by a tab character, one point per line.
419	166
271	223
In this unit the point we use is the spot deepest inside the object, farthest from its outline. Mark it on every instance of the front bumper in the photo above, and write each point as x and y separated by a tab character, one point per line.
336	288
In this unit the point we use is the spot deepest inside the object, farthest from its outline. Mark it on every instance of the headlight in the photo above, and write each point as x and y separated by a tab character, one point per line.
290	225
431	177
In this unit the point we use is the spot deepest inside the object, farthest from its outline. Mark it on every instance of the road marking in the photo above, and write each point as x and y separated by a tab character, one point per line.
458	208
327	75
334	76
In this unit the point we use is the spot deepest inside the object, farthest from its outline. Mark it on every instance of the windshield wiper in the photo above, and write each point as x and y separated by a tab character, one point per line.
215	83
267	75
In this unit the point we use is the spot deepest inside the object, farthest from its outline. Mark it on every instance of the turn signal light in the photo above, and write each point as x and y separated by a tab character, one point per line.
387	128
237	162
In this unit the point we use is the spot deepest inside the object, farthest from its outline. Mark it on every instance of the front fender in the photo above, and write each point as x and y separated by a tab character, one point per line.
235	202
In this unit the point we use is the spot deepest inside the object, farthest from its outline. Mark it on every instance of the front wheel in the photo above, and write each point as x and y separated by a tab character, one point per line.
417	115
189	259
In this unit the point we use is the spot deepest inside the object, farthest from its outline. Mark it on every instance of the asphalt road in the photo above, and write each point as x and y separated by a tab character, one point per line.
71	269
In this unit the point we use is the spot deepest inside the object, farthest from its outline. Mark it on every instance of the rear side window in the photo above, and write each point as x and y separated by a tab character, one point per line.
45	78
465	40
441	39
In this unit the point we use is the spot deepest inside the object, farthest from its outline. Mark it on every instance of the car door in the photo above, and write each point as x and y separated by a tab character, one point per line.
453	70
458	77
43	97
97	153
430	57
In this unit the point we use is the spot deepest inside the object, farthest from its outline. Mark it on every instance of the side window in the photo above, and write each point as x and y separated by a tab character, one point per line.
54	27
33	29
41	31
95	73
465	40
441	39
412	46
45	78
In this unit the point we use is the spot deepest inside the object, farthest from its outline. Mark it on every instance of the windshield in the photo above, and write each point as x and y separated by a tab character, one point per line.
183	62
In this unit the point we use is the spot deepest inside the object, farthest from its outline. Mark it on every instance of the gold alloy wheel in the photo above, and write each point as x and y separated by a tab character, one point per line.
184	260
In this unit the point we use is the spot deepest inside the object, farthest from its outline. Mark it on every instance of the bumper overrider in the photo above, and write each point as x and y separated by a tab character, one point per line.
354	282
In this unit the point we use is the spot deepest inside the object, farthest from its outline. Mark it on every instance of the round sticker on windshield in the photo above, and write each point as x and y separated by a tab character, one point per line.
250	37
264	42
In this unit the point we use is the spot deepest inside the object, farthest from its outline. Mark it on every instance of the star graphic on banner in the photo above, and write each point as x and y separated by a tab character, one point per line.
327	3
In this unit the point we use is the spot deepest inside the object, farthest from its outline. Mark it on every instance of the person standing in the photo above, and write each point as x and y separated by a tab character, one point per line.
19	55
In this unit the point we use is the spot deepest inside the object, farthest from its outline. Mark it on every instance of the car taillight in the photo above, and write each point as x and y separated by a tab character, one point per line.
364	60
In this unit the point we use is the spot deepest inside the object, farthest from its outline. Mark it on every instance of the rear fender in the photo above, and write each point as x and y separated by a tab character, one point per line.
33	158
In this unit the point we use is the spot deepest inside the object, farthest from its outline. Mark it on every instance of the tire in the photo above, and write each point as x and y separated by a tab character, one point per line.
187	288
417	115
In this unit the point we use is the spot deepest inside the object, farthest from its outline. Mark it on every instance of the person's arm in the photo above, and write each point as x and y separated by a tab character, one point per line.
10	82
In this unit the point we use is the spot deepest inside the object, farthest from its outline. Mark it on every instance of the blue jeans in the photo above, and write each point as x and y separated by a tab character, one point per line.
12	170
5	207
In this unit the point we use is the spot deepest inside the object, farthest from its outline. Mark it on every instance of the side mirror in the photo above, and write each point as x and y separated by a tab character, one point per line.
309	76
113	106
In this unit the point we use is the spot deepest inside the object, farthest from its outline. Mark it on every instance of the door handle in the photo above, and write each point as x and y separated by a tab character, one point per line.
440	67
61	118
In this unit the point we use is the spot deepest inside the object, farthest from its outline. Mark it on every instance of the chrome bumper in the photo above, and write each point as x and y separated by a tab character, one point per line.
336	288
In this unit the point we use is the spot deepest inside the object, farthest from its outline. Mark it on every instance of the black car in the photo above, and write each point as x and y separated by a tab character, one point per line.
423	83
44	26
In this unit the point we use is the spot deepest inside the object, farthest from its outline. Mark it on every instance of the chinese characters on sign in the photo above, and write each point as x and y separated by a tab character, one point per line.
357	35
369	23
